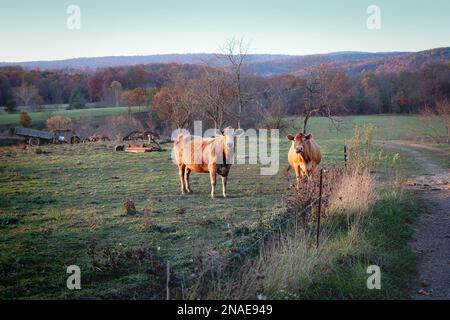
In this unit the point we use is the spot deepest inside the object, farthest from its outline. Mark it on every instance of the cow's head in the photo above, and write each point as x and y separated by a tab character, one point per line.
300	141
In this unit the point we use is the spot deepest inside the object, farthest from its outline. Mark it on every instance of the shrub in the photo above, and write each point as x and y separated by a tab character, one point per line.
128	206
25	119
59	122
360	147
10	106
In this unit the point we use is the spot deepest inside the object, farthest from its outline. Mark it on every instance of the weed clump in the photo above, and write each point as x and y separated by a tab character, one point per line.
128	206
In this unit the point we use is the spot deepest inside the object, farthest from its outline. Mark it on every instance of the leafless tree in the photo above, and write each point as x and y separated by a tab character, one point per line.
324	96
116	87
26	95
215	96
235	52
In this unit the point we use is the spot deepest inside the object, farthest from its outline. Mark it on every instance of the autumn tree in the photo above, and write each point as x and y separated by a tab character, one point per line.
135	97
174	105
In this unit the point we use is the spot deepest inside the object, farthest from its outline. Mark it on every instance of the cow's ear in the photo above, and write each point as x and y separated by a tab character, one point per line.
309	136
238	132
290	137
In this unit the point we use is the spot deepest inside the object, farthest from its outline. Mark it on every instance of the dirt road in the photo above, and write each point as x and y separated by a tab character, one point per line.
431	237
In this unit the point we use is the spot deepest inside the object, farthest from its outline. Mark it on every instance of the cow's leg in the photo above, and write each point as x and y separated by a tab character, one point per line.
212	177
187	172
181	169
298	175
224	186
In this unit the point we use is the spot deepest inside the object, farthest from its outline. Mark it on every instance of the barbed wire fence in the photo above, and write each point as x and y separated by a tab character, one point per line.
275	228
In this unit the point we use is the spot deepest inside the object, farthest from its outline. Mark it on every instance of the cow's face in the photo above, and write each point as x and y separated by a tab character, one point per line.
300	141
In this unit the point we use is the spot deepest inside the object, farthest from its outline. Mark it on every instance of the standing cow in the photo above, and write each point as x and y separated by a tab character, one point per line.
304	155
205	155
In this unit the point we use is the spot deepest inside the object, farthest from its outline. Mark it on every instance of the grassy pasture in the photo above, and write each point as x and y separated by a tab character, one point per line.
64	207
42	116
388	127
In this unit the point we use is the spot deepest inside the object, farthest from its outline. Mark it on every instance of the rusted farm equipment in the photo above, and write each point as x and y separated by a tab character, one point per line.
97	138
141	135
36	137
154	146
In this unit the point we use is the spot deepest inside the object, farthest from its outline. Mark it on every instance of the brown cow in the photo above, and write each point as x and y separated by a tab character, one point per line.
304	155
205	155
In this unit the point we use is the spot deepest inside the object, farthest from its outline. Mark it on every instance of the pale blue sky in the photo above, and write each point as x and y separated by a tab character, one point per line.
36	30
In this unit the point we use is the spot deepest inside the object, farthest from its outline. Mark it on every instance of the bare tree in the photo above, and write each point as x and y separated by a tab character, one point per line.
324	96
235	51
116	87
26	95
215	96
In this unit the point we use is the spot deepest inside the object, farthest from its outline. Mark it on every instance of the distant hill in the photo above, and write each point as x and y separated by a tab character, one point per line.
113	61
389	64
267	64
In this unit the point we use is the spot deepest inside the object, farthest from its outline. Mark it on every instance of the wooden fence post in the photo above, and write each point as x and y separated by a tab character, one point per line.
320	209
345	155
167	280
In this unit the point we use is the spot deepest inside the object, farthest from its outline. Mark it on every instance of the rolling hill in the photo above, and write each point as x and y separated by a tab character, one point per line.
267	64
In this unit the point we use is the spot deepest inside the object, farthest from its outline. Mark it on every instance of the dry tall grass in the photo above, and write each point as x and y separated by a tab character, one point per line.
353	199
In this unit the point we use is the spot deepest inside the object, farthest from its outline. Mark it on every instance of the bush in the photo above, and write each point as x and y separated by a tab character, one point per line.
59	122
10	106
360	147
25	119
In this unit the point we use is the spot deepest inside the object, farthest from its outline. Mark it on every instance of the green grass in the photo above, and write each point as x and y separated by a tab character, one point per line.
388	127
384	243
40	117
56	205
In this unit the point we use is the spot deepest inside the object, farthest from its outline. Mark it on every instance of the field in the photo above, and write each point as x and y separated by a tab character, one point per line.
12	119
64	207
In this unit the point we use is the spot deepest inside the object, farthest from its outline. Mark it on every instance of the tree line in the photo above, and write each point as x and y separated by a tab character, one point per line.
228	95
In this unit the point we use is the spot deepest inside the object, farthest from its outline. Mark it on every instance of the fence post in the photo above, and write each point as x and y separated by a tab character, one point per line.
345	155
167	280
320	209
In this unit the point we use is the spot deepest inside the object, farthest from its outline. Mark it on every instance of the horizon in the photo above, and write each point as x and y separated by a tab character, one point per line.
213	53
39	31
